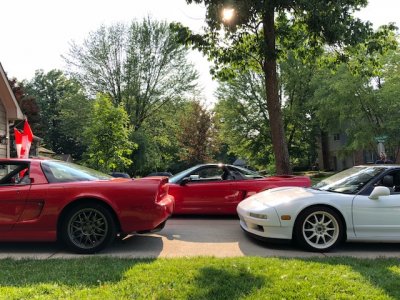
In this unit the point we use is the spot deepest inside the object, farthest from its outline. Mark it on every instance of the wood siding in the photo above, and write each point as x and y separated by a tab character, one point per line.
3	129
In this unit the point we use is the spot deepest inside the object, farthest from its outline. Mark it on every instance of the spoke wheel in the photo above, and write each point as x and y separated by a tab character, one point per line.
88	228
319	229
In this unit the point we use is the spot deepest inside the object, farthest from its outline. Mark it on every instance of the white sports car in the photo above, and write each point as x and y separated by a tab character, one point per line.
359	204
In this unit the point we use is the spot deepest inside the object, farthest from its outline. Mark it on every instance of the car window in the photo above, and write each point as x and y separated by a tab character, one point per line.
58	171
210	173
14	173
390	180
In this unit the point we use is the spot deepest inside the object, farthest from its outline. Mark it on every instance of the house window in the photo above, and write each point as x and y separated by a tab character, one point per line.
336	137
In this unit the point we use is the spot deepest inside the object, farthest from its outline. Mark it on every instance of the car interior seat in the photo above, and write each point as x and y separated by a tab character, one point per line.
396	182
388	181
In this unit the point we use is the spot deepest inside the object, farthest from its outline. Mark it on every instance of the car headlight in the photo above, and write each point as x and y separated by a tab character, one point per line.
258	216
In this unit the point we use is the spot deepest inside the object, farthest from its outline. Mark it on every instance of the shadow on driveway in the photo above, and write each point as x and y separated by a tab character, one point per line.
198	236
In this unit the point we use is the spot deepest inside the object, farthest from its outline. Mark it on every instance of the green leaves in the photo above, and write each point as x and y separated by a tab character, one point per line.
58	98
107	137
140	65
361	105
255	40
197	137
143	70
242	119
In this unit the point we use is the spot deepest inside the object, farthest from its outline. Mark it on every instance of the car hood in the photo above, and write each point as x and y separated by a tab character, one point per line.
284	195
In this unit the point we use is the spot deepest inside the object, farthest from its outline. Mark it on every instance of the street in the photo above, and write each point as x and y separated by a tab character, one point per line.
197	236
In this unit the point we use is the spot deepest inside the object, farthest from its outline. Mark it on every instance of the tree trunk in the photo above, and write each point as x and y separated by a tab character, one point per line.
281	153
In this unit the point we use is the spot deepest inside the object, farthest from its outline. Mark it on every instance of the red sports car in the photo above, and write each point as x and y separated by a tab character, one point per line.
218	188
46	200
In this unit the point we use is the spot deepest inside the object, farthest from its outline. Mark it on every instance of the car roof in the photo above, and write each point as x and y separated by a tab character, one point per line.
24	159
388	166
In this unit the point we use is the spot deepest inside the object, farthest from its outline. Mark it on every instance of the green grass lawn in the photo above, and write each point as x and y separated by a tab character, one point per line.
200	278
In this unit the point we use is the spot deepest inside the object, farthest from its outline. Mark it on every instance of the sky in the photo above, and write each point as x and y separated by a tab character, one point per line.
35	34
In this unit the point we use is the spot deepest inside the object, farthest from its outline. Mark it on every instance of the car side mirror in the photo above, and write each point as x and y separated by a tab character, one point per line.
379	191
185	180
26	180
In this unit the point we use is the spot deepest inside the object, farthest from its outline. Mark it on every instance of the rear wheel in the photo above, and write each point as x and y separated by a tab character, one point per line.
88	228
319	229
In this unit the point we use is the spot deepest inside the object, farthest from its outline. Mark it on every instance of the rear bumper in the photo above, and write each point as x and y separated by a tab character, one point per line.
157	229
149	219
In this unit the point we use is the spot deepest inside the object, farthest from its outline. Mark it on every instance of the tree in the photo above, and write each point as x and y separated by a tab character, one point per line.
141	66
75	113
52	91
107	137
260	31
301	125
359	104
389	95
197	136
244	127
243	120
28	105
158	148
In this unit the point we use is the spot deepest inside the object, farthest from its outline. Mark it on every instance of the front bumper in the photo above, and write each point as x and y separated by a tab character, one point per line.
266	228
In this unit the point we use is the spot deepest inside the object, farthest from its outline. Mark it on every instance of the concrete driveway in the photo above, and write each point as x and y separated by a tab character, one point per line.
195	236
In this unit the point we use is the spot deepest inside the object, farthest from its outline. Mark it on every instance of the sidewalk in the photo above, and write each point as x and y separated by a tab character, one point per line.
185	237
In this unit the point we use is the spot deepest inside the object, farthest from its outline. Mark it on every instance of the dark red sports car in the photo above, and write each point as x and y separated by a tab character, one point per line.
46	200
218	188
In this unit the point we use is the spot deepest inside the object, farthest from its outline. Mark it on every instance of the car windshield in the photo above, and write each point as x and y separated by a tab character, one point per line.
58	171
349	181
180	175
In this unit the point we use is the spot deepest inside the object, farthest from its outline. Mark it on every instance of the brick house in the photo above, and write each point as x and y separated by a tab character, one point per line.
9	113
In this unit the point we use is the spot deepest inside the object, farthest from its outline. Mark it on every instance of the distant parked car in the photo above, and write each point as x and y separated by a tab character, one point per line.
218	188
358	204
120	175
46	200
168	174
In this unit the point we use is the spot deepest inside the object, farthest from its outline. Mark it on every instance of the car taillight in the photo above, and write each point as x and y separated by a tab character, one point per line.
162	189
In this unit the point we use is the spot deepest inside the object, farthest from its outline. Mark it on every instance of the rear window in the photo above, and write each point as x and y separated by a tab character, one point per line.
58	171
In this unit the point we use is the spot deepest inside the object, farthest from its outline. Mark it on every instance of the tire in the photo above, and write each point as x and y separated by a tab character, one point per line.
319	229
88	228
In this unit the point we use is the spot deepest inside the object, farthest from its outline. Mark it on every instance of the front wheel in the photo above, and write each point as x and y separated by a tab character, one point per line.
318	229
88	228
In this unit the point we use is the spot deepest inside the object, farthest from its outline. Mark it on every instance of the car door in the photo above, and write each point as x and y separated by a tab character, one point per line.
379	219
247	183
13	193
207	192
207	197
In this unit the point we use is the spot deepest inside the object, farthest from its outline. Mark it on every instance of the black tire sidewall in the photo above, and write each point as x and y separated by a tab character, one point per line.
298	230
110	235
